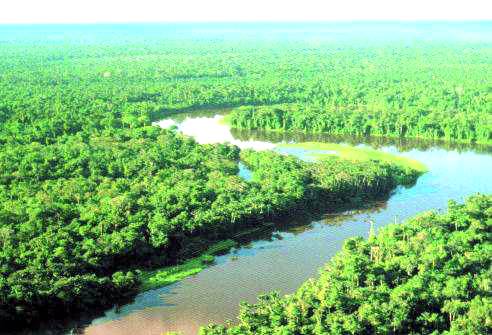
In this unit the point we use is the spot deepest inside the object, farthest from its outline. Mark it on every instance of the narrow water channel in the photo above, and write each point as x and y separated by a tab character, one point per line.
285	259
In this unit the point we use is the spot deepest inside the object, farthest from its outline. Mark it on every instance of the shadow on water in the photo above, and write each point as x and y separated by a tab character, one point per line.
247	241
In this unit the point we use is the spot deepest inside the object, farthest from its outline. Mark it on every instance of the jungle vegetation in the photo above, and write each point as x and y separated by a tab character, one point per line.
402	118
403	87
91	192
430	275
80	218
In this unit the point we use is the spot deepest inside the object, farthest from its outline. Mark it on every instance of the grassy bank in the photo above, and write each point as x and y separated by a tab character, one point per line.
355	154
153	279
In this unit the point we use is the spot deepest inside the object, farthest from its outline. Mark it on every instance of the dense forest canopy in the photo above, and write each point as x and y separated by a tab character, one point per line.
335	79
472	124
90	191
430	275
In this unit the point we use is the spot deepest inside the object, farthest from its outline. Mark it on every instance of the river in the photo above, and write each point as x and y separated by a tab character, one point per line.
284	259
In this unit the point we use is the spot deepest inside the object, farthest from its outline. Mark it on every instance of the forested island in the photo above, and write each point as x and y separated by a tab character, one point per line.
95	198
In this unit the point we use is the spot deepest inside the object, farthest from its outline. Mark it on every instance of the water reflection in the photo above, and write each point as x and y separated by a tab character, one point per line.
402	144
212	130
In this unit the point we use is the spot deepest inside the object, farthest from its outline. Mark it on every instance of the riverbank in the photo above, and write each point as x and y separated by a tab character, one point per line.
212	203
320	151
424	275
152	279
312	152
302	247
364	121
339	182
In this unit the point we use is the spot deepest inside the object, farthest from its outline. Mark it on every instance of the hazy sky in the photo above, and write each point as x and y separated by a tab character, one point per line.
77	11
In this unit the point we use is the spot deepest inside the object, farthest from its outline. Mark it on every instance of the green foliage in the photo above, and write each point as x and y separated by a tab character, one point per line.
431	274
97	208
328	150
439	119
286	183
161	277
91	192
